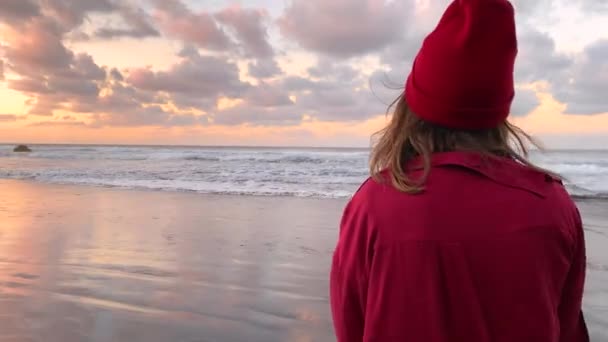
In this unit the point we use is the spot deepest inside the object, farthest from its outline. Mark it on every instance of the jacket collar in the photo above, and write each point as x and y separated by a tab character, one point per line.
503	170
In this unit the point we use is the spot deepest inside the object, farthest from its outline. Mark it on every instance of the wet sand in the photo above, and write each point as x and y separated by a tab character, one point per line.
595	217
93	264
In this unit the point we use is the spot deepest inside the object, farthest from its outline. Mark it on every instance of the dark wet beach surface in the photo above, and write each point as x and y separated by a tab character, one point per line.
595	216
91	264
88	264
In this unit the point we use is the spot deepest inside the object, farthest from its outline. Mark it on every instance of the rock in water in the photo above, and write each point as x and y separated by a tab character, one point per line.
22	148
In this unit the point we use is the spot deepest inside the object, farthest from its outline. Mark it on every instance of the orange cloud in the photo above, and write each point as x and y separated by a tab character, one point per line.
550	118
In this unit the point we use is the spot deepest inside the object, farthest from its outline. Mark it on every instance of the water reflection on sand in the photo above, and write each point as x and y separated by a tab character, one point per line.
81	264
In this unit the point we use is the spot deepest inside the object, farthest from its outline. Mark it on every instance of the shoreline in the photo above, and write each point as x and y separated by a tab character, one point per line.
226	147
169	191
575	198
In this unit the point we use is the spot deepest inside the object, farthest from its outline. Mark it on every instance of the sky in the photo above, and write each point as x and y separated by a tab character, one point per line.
270	72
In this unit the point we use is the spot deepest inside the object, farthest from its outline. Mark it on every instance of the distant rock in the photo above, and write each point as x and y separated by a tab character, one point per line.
22	148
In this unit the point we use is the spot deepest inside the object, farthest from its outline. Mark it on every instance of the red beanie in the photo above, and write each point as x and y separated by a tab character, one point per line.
463	76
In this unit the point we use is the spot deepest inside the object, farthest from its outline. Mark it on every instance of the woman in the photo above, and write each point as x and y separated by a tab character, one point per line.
456	236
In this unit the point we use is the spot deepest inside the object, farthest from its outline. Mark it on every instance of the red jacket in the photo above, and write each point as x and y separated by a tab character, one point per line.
491	251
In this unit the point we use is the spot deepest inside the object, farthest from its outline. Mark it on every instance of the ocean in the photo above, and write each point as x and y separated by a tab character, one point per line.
299	172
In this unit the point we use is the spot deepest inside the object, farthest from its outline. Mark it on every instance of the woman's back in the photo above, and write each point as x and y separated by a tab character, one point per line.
445	245
490	251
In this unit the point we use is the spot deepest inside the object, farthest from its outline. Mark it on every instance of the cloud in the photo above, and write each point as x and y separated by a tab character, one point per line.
297	83
337	94
266	95
50	74
188	51
37	48
30	85
329	69
124	105
7	117
116	75
263	68
54	77
146	116
239	32
525	102
119	99
401	54
345	28
538	59
248	25
177	21
594	5
71	14
67	15
257	116
57	123
198	76
44	105
16	11
355	45
340	104
78	82
328	99
85	67
73	86
584	91
138	25
2	77
251	30
527	7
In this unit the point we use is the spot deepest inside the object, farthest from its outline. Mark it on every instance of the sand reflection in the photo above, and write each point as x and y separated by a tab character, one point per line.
87	264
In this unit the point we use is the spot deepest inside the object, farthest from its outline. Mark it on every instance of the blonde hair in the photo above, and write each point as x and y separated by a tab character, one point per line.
407	137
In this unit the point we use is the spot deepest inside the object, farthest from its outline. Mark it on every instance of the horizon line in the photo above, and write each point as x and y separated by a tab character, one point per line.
249	146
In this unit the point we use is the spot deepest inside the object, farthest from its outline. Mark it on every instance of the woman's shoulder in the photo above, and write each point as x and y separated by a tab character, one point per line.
373	186
375	194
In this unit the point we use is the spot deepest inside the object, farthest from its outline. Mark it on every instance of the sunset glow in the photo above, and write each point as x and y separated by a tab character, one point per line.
261	73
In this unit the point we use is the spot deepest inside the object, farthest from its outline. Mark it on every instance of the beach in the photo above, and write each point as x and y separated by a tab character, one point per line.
84	263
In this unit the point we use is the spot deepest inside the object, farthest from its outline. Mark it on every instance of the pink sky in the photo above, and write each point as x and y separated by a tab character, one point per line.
305	72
